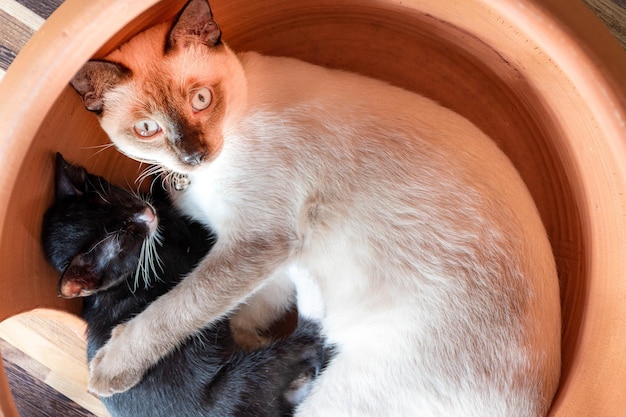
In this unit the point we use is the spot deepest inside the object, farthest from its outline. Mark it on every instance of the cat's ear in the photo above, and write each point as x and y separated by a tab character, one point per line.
94	79
194	24
79	279
69	180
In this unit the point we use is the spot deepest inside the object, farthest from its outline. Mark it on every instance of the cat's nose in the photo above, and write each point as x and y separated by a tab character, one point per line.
195	158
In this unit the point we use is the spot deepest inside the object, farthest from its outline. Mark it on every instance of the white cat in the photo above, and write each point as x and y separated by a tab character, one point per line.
439	286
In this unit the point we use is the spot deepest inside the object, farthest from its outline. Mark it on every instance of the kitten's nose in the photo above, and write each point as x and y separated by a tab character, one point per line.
148	216
194	158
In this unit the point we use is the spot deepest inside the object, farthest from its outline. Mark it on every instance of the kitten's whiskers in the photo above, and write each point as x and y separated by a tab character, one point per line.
99	190
101	241
149	260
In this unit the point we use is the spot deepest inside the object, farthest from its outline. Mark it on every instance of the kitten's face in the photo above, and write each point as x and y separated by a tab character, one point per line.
165	96
94	233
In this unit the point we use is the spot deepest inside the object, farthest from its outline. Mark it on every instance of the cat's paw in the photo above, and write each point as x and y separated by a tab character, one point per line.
114	368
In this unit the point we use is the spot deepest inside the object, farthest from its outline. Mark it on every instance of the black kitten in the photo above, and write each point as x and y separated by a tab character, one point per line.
121	251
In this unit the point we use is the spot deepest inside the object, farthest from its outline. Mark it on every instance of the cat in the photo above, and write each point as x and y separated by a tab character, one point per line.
440	290
120	251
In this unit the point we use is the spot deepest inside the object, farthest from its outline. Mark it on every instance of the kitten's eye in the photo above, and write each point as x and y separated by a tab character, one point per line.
147	128
201	99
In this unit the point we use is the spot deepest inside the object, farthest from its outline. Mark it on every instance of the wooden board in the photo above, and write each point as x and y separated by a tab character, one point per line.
44	355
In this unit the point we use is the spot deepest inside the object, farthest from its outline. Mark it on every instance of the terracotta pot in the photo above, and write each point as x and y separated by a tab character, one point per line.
543	77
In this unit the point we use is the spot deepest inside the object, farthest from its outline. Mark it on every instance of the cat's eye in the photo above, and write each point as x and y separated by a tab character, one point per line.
147	128
201	99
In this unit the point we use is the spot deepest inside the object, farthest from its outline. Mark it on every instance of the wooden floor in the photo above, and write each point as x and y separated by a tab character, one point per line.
44	353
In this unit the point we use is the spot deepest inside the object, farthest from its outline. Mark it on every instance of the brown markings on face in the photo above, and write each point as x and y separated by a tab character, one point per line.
194	137
211	123
197	136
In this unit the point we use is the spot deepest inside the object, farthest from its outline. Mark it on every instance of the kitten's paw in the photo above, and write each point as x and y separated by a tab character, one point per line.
309	355
300	387
114	368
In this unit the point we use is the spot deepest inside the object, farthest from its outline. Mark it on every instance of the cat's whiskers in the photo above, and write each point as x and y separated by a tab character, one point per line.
167	176
139	196
173	180
100	148
152	170
137	158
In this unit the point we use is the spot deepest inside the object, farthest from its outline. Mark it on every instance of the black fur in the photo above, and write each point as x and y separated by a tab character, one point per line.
208	375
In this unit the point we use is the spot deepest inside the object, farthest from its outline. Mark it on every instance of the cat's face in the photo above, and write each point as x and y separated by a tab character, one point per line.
95	233
165	96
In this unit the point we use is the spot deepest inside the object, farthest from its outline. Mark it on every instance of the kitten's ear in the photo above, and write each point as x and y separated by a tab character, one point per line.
79	279
69	180
193	24
94	79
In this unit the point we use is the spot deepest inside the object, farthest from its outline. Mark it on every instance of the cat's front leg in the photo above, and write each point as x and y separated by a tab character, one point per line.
228	275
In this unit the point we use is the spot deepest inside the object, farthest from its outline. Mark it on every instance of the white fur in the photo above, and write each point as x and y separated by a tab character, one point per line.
438	283
310	300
